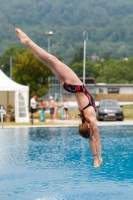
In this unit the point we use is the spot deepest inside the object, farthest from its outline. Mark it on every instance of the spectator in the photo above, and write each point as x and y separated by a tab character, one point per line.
65	110
51	107
56	109
43	106
33	105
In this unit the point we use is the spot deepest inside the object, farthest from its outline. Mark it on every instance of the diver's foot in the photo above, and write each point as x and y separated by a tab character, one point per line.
24	39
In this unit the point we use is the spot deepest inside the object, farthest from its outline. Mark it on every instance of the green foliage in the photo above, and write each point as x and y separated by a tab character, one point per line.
106	56
77	67
108	23
108	71
116	71
5	58
78	57
27	70
110	35
90	69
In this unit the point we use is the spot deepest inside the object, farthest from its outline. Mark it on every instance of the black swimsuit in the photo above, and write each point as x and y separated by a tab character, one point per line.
80	88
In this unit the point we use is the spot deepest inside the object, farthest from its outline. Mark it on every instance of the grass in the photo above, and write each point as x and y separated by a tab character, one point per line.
128	111
73	114
128	114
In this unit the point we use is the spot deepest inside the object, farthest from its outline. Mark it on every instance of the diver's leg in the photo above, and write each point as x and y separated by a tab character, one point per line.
62	71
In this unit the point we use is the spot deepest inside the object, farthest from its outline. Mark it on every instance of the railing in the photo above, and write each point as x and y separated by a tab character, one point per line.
2	114
63	114
2	117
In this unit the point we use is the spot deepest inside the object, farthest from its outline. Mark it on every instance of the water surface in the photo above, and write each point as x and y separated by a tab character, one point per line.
56	164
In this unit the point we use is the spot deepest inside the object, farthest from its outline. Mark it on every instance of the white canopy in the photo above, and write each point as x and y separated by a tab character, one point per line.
16	95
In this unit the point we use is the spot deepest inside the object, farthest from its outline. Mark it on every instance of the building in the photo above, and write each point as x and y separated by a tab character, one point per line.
94	58
121	92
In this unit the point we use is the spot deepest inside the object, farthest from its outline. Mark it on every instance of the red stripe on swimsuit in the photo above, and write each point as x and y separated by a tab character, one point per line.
80	88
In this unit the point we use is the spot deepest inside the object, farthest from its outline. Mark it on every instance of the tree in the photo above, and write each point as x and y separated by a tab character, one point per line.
5	58
77	67
116	71
27	70
107	55
78	57
90	70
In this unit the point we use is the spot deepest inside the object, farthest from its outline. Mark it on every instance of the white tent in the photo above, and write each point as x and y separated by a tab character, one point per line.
16	95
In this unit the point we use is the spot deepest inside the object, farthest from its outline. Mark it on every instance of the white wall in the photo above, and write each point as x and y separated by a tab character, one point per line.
126	90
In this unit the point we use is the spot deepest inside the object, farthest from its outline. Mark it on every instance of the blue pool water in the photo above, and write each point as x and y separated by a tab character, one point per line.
56	164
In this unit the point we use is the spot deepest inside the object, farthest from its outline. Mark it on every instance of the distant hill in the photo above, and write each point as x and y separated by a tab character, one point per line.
108	23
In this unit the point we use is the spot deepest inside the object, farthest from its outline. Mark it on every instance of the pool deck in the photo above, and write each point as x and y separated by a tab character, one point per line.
68	123
99	123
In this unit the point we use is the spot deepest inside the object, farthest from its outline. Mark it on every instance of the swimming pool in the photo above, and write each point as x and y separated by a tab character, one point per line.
56	164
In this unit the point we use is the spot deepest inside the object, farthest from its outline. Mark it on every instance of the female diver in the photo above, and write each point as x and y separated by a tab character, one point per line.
70	82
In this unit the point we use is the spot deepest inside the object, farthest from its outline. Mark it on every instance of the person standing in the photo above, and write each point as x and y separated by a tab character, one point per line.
56	109
65	110
43	106
51	107
33	105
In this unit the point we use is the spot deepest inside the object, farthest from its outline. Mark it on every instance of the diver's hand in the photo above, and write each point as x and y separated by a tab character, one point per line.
100	161
97	162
